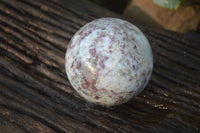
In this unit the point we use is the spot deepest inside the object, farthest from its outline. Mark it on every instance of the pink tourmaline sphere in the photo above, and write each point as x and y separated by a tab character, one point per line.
108	61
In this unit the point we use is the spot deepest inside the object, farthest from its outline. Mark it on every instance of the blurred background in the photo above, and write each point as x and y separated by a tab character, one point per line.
176	15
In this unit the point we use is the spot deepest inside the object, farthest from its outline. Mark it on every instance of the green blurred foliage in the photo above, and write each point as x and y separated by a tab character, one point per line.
119	5
171	4
174	4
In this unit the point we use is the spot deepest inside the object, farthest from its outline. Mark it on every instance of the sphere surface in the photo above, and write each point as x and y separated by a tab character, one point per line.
108	61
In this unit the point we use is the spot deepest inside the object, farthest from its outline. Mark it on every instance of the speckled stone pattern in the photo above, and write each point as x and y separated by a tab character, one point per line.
108	61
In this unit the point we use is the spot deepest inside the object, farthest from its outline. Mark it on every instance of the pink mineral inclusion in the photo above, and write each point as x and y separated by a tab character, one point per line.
92	52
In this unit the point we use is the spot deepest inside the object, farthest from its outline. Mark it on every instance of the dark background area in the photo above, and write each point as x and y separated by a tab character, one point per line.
116	6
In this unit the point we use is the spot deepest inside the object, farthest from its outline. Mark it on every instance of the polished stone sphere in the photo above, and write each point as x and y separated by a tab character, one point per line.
109	61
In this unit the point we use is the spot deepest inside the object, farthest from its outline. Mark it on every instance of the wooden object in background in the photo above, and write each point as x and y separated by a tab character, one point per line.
185	18
35	95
